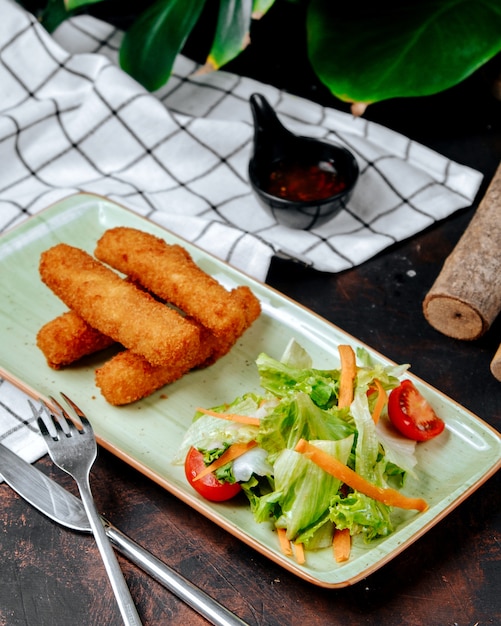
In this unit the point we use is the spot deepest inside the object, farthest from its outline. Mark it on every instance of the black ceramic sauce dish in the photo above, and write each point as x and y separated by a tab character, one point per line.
302	181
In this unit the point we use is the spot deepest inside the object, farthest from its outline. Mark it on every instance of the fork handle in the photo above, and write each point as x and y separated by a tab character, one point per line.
206	606
125	603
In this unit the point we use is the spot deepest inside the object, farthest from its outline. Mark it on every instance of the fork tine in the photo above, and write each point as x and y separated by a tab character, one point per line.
43	428
80	414
64	417
56	404
54	420
81	427
36	412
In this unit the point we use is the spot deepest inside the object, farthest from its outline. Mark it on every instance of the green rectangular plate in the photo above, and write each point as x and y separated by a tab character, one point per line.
147	434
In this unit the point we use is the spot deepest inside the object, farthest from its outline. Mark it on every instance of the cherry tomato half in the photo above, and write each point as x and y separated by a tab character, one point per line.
412	414
208	486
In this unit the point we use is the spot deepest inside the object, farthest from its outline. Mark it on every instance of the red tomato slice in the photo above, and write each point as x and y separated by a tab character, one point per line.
412	414
208	486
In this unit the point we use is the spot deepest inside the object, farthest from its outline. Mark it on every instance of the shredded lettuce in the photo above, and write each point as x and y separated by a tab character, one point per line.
299	417
285	381
305	490
207	432
361	514
300	402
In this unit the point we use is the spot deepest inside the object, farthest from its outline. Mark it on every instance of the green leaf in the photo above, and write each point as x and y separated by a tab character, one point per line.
232	32
260	7
54	14
76	4
400	49
151	44
305	489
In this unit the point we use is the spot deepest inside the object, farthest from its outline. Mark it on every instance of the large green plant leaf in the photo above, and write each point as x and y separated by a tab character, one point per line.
368	53
76	4
53	14
56	12
152	43
232	32
260	7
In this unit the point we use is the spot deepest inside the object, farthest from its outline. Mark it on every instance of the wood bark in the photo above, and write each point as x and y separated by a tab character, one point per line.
466	296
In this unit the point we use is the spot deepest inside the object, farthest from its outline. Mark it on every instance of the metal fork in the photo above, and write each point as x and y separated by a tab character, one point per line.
74	450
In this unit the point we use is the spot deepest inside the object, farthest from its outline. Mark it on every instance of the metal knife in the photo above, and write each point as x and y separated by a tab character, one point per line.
66	509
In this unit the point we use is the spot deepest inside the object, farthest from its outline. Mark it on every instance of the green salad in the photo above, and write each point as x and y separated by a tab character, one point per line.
267	446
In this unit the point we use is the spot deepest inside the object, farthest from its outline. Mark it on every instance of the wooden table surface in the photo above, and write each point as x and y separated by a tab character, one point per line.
451	576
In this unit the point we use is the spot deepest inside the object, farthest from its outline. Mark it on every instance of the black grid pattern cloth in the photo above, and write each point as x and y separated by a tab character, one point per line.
71	120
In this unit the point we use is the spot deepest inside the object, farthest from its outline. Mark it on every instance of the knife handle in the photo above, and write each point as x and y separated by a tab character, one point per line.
209	608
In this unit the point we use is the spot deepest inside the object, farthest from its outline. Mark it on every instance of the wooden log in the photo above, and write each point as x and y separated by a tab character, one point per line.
466	296
496	364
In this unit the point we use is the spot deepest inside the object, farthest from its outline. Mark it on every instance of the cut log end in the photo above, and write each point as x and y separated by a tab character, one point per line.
496	364
466	296
454	318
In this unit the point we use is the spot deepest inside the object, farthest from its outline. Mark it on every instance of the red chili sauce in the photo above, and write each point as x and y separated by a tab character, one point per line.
301	182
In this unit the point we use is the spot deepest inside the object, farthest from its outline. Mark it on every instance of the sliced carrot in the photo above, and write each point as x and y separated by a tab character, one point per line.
230	454
382	397
232	417
333	466
299	553
341	545
348	374
285	544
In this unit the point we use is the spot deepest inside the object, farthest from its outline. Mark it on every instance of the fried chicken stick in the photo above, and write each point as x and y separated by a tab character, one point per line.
117	308
169	272
68	338
127	377
124	378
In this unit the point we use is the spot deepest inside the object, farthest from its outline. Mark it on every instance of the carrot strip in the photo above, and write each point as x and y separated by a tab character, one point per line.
285	544
299	553
333	466
341	545
382	397
230	454
348	373
232	417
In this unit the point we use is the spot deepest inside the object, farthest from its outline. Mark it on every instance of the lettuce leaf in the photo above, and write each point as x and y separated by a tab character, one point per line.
208	433
299	417
282	380
361	514
302	491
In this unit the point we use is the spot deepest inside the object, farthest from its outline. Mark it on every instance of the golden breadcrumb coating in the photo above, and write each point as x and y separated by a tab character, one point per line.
169	272
117	308
68	338
127	377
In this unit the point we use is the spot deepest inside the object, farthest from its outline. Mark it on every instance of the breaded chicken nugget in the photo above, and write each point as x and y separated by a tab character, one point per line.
117	308
249	303
68	338
169	272
127	377
251	309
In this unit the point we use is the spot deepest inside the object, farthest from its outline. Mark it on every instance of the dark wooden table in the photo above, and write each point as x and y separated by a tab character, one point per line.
451	576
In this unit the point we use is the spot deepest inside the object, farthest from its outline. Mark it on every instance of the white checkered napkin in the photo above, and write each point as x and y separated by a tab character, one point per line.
18	428
71	120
